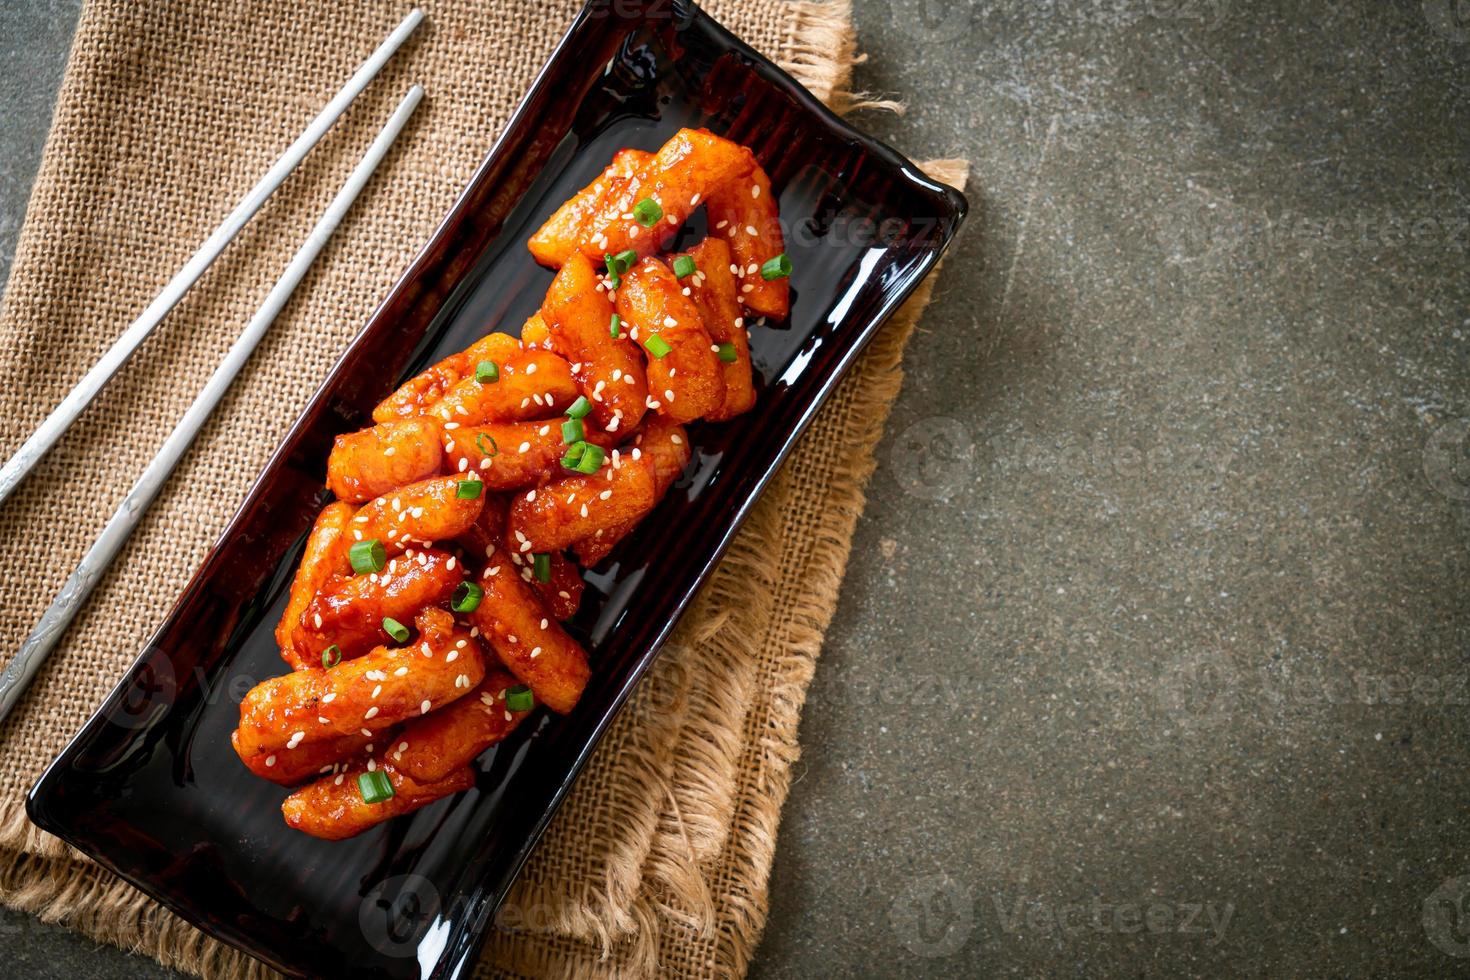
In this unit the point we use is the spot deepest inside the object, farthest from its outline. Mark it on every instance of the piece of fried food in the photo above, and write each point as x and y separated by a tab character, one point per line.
333	807
744	213
416	394
576	507
561	591
385	457
578	315
349	612
421	513
325	557
513	455
713	289
306	761
663	449
434	746
684	378
532	384
565	230
362	696
526	636
684	171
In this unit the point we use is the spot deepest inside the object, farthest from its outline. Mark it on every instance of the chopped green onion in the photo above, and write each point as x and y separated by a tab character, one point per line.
728	353
777	268
466	597
572	432
519	698
487	372
471	489
684	266
579	408
575	451
625	259
331	656
591	461
395	629
614	327
375	787
367	556
647	212
614	277
657	346
541	567
494	450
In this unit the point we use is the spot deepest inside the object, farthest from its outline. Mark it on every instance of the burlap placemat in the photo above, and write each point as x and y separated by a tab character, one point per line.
168	113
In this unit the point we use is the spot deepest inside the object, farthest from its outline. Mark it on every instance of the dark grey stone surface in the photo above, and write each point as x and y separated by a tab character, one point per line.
1152	655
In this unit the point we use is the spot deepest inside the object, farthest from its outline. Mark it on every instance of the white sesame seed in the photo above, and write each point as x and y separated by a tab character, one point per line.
694	200
584	510
372	765
338	780
543	622
531	368
424	707
670	322
270	760
377	689
535	652
318	620
449	565
328	697
525	546
721	225
604	495
371	713
755	190
451	425
390	450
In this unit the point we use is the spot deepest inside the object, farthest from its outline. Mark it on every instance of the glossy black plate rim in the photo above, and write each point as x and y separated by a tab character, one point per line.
950	210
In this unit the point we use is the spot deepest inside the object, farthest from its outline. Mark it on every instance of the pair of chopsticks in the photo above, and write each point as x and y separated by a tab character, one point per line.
23	667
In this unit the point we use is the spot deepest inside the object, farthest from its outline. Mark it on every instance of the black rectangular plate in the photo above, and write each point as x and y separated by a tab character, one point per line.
150	787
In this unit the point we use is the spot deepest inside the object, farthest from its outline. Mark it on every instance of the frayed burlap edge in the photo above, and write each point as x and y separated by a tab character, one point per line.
43	876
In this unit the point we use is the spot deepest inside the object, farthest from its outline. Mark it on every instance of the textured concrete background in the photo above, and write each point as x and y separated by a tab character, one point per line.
1152	656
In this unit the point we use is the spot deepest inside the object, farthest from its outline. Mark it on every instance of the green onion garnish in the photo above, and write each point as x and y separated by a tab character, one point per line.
728	353
487	372
591	461
375	787
471	489
395	629
480	440
684	266
615	327
614	277
647	212
331	656
367	556
572	432
575	451
777	268
579	408
519	698
625	259
466	597
657	346
541	567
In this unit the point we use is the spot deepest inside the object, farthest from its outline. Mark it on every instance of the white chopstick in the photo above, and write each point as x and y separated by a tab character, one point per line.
27	661
49	431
